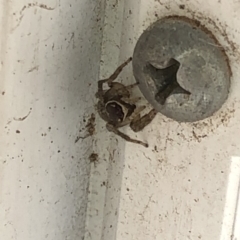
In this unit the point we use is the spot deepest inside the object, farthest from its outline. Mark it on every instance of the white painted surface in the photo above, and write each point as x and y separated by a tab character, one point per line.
236	226
178	188
50	53
230	223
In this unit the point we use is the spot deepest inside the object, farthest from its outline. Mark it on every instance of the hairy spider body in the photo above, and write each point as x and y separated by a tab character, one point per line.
114	109
117	108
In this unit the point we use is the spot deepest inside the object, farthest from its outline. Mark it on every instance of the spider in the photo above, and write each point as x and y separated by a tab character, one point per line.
118	108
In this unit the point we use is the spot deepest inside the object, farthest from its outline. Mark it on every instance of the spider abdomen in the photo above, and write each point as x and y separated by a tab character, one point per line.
119	110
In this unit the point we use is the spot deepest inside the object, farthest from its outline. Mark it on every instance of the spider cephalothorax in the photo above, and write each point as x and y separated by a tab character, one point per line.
117	108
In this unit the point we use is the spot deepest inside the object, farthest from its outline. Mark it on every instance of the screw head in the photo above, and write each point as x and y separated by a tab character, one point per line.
182	70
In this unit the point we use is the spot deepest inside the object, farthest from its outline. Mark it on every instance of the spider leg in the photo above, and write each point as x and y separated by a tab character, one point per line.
129	87
139	123
131	100
118	71
109	80
130	119
99	94
113	129
132	85
121	90
137	112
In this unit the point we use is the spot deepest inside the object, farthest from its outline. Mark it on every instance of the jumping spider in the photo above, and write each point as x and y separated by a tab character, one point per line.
118	109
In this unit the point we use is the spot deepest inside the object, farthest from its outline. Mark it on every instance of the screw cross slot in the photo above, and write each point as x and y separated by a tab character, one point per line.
165	79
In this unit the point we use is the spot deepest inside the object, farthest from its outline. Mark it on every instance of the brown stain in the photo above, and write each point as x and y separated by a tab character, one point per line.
90	127
203	129
198	137
22	118
93	158
182	6
30	5
71	40
155	149
111	155
25	7
197	132
33	69
44	6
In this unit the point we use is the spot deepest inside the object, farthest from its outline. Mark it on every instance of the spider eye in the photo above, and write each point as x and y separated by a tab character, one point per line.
115	112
